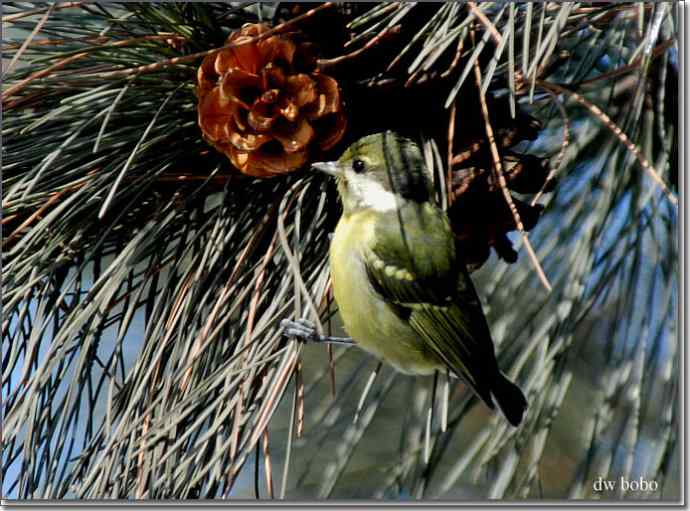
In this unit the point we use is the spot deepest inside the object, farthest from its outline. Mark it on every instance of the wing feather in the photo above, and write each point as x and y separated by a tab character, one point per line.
433	291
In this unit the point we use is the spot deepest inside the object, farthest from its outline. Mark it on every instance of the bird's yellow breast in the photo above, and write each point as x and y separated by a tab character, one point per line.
367	318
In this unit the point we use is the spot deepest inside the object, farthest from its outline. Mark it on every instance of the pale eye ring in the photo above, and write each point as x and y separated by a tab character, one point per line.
358	166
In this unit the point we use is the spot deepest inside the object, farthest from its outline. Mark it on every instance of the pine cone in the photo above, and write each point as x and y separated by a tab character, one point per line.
479	215
265	105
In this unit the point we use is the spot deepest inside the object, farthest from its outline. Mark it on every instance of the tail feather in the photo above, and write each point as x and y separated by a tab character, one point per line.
510	399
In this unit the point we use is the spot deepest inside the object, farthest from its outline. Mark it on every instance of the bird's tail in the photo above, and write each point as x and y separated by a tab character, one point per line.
510	399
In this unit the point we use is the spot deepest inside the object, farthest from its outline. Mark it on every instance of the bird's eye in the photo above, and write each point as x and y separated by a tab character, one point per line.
358	166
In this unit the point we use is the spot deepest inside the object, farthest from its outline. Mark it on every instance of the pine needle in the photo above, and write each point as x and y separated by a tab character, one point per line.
498	170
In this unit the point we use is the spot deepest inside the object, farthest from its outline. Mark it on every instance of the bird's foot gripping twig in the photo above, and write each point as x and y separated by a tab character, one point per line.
306	331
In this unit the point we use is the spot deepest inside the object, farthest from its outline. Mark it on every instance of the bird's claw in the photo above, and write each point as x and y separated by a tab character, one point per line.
300	328
305	330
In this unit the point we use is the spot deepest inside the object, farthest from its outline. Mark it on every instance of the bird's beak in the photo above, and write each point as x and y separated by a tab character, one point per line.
329	167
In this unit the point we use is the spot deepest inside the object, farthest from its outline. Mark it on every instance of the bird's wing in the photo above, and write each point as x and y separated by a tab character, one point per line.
433	291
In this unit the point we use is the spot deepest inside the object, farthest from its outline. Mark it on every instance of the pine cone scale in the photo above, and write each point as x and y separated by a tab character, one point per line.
338	125
249	142
216	112
294	137
265	105
260	117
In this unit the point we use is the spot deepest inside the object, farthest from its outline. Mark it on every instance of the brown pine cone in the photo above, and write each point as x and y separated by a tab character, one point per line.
265	105
479	214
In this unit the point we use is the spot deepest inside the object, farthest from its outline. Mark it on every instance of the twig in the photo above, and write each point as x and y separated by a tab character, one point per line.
299	404
194	56
53	7
497	37
658	50
498	169
14	89
27	41
326	63
99	39
451	137
456	58
564	145
613	127
495	34
6	219
605	119
472	149
148	68
36	214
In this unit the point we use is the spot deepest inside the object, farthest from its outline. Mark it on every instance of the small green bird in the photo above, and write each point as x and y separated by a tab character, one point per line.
402	292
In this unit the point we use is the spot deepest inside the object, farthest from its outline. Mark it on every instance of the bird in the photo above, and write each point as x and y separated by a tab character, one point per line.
402	290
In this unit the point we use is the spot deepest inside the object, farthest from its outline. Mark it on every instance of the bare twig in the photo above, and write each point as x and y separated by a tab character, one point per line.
36	214
42	73
561	154
27	41
456	59
495	34
32	12
634	65
613	127
498	169
325	64
149	68
451	138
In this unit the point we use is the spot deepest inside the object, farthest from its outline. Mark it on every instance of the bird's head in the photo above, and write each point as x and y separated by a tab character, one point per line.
379	172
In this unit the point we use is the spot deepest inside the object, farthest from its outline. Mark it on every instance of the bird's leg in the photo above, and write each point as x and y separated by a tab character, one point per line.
305	330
